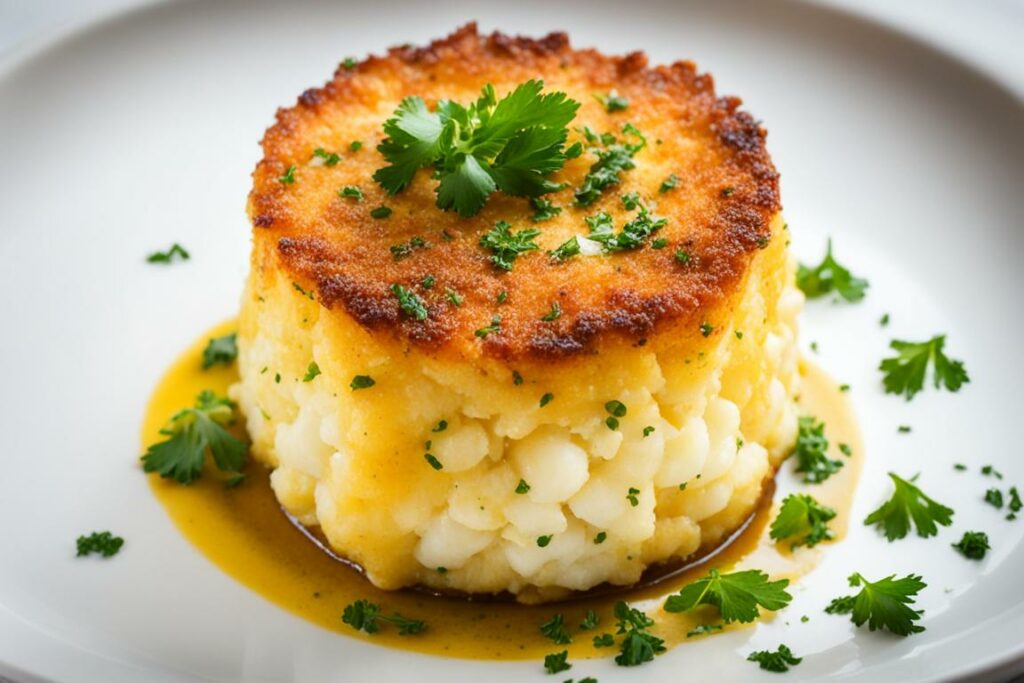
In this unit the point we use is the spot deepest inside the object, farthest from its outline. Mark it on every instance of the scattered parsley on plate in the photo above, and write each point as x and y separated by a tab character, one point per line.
905	372
778	661
409	302
557	662
168	256
973	545
191	433
506	246
638	646
100	542
737	595
828	276
909	505
512	144
812	452
804	517
363	615
554	630
883	604
223	350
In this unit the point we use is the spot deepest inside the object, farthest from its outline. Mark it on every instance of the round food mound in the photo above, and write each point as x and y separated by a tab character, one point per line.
539	430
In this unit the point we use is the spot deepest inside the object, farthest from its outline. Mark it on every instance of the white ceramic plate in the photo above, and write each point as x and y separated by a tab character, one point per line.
142	131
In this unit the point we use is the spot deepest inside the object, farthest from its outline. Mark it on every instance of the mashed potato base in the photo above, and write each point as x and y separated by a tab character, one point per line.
603	504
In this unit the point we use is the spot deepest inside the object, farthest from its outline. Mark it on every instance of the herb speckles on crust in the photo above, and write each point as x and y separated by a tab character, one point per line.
332	246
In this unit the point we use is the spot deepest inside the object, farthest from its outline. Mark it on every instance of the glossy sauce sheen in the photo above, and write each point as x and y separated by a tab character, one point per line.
243	531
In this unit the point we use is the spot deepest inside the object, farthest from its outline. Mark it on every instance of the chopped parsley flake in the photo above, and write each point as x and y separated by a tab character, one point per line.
427	282
670	183
168	256
453	297
434	462
554	314
566	250
311	372
611	161
363	615
330	158
604	640
543	209
828	276
355	145
289	176
100	542
554	630
638	646
612	102
994	497
557	662
590	621
381	212
600	537
633	233
905	372
778	661
632	496
990	471
736	595
803	517
659	243
648	430
522	487
517	379
812	452
222	350
409	302
361	382
611	422
306	293
349	63
546	399
973	545
883	604
909	504
351	192
706	329
506	246
440	427
512	144
542	541
493	328
191	433
682	256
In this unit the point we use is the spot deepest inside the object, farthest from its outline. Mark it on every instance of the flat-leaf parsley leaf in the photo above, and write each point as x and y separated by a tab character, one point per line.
905	372
828	276
909	504
883	604
737	595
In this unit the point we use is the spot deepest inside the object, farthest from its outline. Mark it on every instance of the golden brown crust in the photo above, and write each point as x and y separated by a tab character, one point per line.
720	214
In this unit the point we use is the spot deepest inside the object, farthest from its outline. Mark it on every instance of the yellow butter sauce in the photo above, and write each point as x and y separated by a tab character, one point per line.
243	531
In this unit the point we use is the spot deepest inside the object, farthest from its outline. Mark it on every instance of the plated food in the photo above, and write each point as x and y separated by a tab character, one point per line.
521	326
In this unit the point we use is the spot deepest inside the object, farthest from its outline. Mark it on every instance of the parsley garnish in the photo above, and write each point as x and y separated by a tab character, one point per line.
828	276
351	192
542	541
168	256
905	373
381	212
590	621
994	497
409	302
355	145
567	249
363	382
973	545
303	292
802	516
363	615
330	158
603	640
670	183
633	496
703	630
312	372
289	176
554	630
736	595
100	542
882	604
434	462
349	63
554	314
778	661
811	452
221	350
440	427
611	162
493	328
453	297
638	646
909	504
706	329
506	246
555	663
191	433
632	235
402	249
522	487
659	243
544	210
600	537
512	144
546	399
612	102
648	430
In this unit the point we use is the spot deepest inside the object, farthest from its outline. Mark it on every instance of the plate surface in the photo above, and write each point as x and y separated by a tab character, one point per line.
142	131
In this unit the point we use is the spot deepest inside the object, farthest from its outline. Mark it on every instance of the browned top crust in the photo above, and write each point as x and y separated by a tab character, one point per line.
720	213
